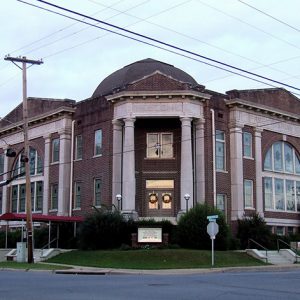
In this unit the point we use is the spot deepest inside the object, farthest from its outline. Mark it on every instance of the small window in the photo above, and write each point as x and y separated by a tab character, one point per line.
77	195
1	163
220	150
14	199
97	192
248	193
247	144
55	150
290	230
98	142
159	145
268	193
78	147
22	197
0	202
280	230
39	196
54	196
221	203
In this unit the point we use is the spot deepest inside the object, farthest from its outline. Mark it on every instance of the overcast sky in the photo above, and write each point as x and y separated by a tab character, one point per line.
78	57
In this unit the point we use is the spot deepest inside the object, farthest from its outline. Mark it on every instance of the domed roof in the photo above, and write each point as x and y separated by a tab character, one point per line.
138	70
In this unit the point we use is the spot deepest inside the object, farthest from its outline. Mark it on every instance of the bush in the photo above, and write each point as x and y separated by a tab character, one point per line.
254	227
192	229
103	230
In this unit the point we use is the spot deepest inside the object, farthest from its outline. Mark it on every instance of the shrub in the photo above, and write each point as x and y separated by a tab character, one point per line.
254	227
192	229
103	230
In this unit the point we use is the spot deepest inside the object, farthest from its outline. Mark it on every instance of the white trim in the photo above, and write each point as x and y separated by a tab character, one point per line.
282	222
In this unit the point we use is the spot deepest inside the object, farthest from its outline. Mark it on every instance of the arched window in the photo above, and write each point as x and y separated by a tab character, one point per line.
282	178
18	191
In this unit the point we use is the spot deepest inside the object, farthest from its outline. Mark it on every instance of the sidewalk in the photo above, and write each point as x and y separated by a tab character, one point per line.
78	270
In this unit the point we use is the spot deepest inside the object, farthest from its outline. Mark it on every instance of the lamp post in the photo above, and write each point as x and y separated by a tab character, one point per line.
187	198
119	198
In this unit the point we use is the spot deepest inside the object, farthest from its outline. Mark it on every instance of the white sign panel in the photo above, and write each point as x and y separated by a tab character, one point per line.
149	235
212	229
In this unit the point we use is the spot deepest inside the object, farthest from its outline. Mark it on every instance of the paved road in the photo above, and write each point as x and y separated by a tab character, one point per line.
229	285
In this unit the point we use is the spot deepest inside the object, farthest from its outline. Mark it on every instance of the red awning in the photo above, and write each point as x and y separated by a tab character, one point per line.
40	218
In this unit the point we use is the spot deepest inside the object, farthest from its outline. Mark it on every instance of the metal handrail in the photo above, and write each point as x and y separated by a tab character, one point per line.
48	244
258	244
290	247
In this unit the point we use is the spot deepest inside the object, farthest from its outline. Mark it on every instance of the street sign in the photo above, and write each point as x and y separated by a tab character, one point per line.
212	218
212	229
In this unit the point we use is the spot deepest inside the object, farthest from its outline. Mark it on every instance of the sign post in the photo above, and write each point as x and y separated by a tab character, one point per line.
212	230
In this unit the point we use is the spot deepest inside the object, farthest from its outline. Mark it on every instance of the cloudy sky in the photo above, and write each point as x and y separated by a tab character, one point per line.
261	36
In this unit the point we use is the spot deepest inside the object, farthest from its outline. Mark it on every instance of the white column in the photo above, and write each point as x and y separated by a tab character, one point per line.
186	176
117	160
128	197
258	171
46	188
200	161
5	197
236	166
64	172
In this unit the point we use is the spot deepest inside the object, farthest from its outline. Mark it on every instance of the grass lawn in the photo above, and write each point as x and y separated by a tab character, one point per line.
26	266
155	259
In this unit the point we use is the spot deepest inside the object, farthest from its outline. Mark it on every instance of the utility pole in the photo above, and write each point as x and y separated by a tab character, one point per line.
29	226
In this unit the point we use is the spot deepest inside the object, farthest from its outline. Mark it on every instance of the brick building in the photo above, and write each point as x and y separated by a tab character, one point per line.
152	134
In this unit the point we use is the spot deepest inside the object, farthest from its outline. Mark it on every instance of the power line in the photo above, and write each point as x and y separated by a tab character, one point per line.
152	40
242	21
270	16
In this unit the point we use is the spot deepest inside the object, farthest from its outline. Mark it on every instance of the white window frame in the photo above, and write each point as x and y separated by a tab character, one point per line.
2	163
223	142
224	199
100	193
160	145
99	131
51	196
249	147
76	206
78	146
250	205
53	150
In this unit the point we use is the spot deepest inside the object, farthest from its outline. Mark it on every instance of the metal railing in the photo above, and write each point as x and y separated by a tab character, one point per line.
258	244
48	244
289	247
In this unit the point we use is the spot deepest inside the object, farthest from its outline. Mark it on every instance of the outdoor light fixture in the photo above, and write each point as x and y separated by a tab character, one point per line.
187	198
119	198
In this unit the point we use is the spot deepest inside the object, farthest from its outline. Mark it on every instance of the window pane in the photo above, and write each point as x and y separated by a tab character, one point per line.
98	142
40	166
220	155
279	197
77	202
277	148
221	202
54	196
247	143
268	190
78	154
220	135
167	145
248	193
14	199
268	160
32	158
1	163
97	195
290	197
32	195
55	150
298	194
39	195
297	164
288	158
22	196
152	145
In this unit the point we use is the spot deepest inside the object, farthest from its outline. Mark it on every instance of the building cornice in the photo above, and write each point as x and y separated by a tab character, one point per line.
260	108
42	118
189	94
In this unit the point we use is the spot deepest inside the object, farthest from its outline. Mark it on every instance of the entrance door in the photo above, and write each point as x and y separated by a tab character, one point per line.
160	198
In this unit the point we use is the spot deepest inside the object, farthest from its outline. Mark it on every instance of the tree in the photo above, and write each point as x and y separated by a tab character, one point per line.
192	229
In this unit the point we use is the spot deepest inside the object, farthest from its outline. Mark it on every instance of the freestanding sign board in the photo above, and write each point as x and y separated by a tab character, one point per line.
212	230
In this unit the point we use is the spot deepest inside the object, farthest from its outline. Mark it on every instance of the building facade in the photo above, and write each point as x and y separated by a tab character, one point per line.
152	135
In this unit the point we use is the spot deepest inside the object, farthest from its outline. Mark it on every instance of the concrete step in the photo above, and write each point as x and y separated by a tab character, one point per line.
277	258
